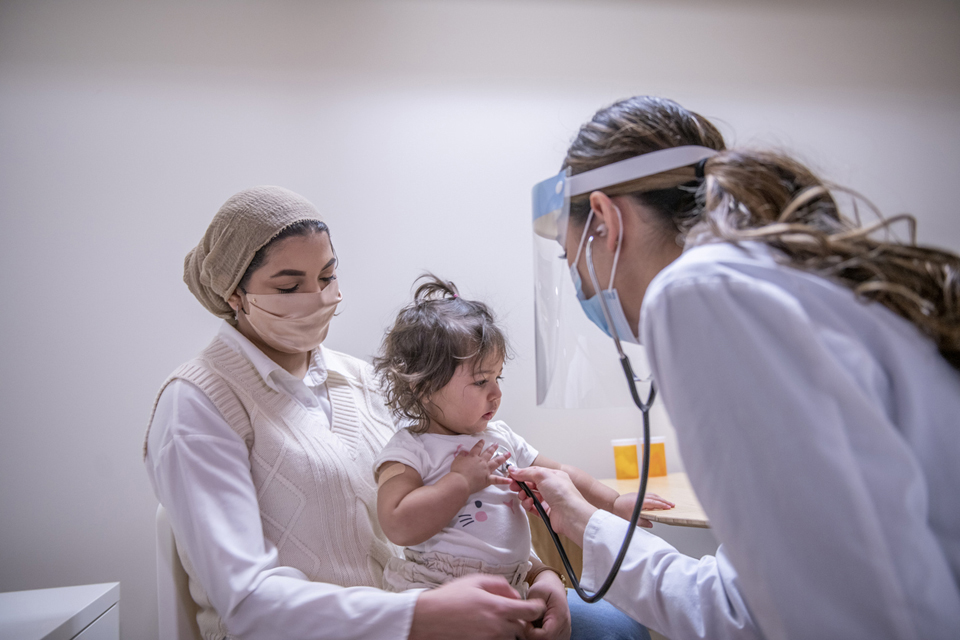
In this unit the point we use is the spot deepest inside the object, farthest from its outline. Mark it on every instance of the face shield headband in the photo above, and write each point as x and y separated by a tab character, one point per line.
551	197
571	371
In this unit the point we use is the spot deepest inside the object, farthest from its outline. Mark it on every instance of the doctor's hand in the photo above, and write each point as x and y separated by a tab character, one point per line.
476	607
569	511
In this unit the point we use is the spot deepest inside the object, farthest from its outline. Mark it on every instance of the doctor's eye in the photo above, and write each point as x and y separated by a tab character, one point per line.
290	290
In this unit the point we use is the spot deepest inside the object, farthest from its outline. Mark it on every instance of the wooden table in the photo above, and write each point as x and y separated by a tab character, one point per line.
676	488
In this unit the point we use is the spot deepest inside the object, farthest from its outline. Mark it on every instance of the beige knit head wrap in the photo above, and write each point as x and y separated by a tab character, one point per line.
243	225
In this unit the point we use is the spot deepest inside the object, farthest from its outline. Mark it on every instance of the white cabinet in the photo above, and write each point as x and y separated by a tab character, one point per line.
87	612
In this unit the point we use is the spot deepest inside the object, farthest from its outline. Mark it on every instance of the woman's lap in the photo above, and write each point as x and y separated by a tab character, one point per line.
602	621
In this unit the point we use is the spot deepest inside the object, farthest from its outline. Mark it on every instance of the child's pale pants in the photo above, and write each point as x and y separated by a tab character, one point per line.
428	570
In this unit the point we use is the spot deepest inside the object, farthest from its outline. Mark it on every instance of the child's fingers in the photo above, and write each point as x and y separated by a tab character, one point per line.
653	498
492	449
499	460
657	505
498	479
477	448
654	502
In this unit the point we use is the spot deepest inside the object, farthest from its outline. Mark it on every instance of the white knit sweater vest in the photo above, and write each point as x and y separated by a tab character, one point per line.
318	500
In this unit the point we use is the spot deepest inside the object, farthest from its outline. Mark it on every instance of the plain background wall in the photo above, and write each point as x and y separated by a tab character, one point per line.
418	129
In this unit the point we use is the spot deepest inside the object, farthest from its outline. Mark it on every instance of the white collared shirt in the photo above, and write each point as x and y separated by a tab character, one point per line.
195	460
310	391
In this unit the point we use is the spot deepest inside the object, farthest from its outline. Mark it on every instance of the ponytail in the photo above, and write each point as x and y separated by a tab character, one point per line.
741	195
771	198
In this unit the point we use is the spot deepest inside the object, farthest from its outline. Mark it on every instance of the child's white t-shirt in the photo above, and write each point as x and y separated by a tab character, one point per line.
492	526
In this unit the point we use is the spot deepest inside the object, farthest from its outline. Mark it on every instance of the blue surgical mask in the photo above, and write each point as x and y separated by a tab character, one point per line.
591	306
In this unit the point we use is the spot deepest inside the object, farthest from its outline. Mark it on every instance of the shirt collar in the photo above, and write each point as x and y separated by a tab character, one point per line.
271	372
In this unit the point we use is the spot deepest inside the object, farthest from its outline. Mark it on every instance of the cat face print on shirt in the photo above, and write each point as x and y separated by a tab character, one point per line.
472	514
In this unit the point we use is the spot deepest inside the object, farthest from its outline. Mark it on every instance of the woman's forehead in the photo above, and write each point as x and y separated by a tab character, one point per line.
309	250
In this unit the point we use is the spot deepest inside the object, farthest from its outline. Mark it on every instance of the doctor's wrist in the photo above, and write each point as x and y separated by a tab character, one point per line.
575	521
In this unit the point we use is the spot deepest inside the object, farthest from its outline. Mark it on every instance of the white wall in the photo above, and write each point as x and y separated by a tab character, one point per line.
418	128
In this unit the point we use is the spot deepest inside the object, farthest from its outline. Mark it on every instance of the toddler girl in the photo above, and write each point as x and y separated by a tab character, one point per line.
440	494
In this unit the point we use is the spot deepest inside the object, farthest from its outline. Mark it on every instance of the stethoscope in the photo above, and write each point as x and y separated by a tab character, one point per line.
644	407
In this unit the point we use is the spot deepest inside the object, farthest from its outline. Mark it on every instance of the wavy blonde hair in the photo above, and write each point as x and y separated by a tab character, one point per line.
772	198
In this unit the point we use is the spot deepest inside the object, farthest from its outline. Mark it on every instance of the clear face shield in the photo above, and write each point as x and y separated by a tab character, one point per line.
576	367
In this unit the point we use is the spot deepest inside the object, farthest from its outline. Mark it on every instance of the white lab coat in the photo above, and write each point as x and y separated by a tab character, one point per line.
822	436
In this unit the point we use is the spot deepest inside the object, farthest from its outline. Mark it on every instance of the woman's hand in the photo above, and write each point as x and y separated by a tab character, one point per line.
477	607
623	506
568	510
556	619
479	467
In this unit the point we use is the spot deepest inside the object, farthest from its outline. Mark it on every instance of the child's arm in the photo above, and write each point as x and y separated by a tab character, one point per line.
411	513
600	495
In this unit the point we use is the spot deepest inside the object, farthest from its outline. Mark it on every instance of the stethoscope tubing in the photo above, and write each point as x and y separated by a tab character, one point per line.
591	598
644	407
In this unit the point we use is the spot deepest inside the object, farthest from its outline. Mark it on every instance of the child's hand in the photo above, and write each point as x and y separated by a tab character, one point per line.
478	466
623	506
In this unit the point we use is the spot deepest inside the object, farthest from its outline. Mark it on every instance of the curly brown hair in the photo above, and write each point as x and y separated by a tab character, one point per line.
431	337
772	198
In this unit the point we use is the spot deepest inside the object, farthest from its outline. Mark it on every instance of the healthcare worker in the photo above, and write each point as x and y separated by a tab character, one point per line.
812	373
262	449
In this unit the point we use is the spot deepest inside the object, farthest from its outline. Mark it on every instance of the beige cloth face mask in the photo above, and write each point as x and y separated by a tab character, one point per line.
293	322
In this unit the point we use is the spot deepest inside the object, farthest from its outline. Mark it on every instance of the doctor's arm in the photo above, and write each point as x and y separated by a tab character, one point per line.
600	495
771	429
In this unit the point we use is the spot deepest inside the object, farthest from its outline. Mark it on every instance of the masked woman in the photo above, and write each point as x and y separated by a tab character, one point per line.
262	449
812	373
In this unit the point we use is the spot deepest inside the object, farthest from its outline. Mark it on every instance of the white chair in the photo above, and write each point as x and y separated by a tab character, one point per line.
178	611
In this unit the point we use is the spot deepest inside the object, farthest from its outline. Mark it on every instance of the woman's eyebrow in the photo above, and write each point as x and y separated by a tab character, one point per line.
288	272
295	272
